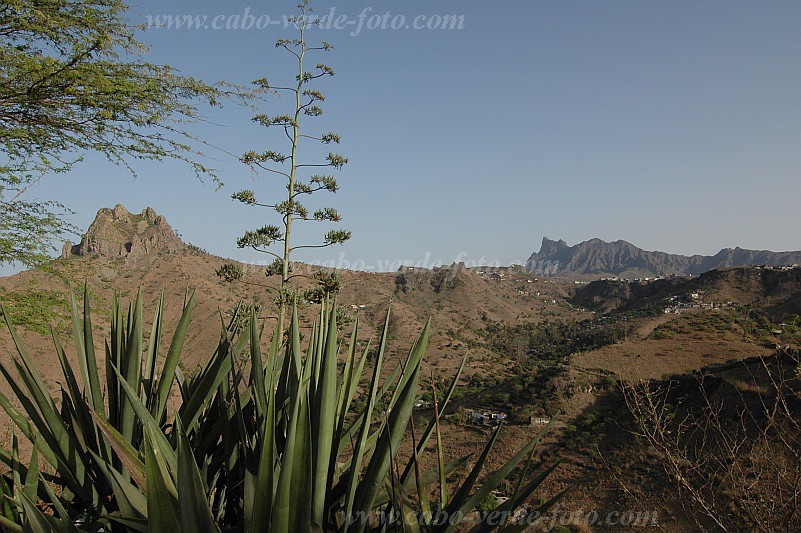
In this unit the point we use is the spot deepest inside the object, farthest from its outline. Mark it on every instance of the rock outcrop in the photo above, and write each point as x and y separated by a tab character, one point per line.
117	233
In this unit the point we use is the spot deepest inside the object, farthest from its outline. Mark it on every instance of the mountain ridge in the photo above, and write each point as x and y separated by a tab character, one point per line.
620	258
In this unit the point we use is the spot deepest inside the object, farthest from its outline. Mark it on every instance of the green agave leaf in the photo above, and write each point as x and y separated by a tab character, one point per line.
38	407
467	485
64	449
114	357
130	499
302	485
493	480
28	364
263	497
31	487
361	443
36	520
281	518
149	424
357	423
10	525
522	494
192	501
161	501
152	355
76	397
324	419
206	387
257	367
8	511
351	378
345	380
443	480
390	438
429	477
60	510
126	453
295	353
522	524
433	423
416	355
401	505
93	384
134	524
24	426
173	357
130	369
16	472
517	495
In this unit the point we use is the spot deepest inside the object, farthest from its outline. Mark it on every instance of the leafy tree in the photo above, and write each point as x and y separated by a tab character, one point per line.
74	81
300	177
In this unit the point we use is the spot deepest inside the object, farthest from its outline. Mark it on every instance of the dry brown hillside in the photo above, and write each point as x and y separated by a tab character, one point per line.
126	252
534	350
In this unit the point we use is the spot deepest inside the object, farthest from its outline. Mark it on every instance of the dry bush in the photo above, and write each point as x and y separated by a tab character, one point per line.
732	452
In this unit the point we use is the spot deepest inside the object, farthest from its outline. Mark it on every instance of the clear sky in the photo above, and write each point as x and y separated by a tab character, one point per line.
675	125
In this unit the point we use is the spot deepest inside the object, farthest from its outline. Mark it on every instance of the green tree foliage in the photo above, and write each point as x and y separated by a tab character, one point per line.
542	351
73	80
300	177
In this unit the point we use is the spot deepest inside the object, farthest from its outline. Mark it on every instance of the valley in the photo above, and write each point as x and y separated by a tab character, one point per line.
538	349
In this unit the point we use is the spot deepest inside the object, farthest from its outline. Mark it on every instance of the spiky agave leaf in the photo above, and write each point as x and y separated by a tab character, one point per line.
279	449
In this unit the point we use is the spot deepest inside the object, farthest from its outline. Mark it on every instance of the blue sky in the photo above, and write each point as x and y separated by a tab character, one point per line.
673	125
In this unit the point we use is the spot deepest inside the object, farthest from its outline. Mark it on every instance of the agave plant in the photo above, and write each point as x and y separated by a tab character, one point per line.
253	441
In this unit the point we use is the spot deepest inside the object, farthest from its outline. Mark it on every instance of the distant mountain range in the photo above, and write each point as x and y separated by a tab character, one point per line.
597	258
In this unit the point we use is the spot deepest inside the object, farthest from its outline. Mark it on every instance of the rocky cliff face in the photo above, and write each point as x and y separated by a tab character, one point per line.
620	258
117	233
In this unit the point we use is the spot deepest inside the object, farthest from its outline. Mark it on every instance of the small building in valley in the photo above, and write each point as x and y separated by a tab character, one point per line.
486	417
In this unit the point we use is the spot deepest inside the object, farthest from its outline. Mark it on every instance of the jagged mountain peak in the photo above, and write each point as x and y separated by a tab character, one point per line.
118	233
551	246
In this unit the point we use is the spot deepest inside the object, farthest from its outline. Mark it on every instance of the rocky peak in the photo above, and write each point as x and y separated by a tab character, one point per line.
117	233
550	246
